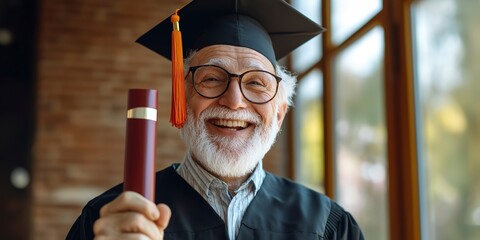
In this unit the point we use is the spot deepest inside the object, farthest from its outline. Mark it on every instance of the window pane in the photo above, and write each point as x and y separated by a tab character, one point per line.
310	52
447	56
349	15
309	164
360	132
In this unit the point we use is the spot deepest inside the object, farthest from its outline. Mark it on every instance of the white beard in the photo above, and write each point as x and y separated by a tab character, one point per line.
228	156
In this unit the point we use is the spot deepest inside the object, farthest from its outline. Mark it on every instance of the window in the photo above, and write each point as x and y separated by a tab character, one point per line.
447	56
396	86
308	111
340	136
360	130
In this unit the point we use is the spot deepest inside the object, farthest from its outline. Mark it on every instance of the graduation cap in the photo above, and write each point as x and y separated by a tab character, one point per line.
270	27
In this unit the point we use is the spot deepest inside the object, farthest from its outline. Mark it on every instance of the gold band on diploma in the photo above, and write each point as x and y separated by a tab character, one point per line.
142	113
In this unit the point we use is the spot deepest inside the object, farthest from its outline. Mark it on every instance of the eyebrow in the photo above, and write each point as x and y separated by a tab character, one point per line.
256	65
219	61
225	63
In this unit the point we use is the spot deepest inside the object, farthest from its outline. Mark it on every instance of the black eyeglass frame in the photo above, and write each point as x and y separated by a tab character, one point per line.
230	76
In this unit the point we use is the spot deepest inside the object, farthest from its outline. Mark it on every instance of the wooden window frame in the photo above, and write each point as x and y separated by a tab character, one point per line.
402	169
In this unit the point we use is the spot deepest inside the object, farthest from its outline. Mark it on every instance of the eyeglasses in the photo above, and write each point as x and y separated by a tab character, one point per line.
257	86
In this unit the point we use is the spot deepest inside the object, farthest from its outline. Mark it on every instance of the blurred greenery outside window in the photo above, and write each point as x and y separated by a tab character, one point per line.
308	113
309	136
447	59
360	131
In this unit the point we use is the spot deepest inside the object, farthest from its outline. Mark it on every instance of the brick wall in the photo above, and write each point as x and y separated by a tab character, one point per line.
87	60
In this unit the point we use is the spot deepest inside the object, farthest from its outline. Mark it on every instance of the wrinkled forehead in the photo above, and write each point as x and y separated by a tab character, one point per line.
232	57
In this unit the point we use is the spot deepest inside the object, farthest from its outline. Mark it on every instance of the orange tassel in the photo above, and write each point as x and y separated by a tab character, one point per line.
178	114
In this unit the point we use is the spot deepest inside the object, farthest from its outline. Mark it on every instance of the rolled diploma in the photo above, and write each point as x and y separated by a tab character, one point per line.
139	169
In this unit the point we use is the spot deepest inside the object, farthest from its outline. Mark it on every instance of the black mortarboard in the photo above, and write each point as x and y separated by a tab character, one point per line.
270	27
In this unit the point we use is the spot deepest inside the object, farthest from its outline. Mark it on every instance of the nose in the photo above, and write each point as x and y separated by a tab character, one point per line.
233	97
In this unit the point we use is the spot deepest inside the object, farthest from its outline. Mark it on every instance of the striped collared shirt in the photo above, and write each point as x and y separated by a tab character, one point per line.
215	192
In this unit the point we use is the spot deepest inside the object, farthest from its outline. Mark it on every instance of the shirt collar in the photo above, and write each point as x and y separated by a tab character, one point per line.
190	169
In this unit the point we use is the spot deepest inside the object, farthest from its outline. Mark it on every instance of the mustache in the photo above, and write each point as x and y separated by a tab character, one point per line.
225	113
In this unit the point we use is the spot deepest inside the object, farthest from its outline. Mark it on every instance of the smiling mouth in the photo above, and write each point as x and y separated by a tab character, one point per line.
229	123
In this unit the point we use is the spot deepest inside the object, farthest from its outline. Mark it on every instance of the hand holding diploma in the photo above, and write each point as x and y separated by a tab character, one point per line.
133	214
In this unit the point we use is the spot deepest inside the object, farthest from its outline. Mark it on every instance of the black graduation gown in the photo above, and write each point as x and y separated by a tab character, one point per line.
281	210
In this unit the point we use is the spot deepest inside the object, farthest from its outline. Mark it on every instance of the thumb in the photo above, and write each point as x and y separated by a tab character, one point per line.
165	214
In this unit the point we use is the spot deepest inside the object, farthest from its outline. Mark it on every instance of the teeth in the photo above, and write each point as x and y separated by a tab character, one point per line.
231	123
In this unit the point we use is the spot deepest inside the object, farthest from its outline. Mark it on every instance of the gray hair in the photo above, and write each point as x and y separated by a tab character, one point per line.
286	89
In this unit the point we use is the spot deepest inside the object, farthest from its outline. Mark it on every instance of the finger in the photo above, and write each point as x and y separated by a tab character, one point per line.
126	222
165	214
131	201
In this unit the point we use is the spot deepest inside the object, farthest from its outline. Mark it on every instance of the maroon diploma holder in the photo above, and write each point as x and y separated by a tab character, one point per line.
139	171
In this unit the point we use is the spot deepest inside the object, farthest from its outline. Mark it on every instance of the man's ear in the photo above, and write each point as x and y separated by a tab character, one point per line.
282	111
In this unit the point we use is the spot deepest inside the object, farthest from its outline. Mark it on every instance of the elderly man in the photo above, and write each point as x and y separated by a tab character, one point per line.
237	97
